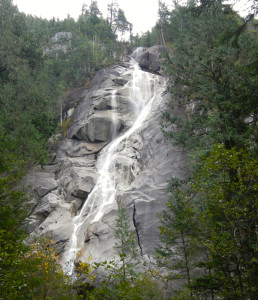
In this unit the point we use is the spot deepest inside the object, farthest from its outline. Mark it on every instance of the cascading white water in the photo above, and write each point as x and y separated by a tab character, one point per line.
142	89
114	105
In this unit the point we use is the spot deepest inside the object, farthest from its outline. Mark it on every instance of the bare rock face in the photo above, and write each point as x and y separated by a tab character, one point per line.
47	204
94	120
100	127
60	42
160	161
42	182
78	182
149	59
60	37
113	150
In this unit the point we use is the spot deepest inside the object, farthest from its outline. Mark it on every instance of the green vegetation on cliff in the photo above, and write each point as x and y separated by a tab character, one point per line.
35	73
37	67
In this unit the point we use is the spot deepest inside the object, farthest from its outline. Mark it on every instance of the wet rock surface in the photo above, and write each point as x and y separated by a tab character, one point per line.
150	59
144	163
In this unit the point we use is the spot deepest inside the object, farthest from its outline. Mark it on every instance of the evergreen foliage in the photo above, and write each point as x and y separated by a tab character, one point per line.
34	78
209	230
33	81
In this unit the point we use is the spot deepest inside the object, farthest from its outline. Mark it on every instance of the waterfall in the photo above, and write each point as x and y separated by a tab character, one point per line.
114	105
142	90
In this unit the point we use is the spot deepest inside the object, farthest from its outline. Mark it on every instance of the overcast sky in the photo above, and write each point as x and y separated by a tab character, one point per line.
141	13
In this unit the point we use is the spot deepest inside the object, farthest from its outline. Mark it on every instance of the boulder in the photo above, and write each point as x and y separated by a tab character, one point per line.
41	182
45	185
47	204
83	182
77	181
149	62
150	59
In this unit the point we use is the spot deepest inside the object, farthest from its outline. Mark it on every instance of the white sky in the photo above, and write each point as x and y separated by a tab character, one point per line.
141	13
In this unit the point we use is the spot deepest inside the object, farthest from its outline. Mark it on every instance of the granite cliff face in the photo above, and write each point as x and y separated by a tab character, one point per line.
113	150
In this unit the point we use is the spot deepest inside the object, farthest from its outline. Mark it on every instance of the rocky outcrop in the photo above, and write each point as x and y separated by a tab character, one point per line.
61	41
97	115
102	125
149	59
93	119
61	37
160	161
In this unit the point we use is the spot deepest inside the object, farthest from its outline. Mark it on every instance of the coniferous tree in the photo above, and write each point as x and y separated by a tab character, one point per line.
126	245
214	70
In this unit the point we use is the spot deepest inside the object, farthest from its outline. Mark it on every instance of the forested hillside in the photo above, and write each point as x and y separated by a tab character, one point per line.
208	231
35	72
210	226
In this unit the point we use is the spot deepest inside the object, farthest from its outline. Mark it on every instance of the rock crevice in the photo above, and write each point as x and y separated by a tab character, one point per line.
136	230
144	162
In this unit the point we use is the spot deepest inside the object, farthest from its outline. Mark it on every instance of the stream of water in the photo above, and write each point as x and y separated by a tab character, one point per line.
142	89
